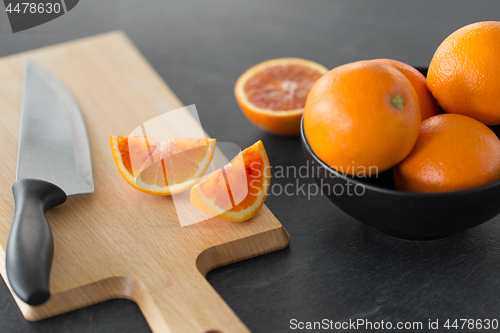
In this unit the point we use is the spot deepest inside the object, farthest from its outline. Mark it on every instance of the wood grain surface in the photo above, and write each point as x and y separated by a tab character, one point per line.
119	242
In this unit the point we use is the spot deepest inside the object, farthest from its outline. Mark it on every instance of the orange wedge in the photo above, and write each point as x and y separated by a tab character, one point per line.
272	94
162	168
238	190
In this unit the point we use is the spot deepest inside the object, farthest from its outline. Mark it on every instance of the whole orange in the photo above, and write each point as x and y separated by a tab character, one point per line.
453	152
428	105
362	118
464	74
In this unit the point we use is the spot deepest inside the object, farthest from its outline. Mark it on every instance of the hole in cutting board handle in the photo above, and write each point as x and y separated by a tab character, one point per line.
214	331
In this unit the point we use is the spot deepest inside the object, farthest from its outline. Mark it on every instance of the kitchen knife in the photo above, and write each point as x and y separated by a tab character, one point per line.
53	162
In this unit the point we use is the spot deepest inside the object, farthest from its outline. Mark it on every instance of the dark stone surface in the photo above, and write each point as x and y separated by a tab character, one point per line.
335	267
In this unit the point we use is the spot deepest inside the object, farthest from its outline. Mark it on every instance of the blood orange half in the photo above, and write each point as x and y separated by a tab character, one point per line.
238	190
273	94
162	168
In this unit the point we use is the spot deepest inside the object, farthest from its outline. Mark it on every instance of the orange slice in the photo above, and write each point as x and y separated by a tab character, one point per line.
161	168
238	190
273	94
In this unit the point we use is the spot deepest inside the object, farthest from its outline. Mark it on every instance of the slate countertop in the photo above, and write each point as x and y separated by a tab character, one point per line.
335	268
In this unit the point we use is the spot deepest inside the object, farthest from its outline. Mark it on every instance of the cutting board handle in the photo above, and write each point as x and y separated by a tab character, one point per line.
187	304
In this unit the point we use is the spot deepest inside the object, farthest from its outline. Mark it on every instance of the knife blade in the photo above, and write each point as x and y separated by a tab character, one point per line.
54	161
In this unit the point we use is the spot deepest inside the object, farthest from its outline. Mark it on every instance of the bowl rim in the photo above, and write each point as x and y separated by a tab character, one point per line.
385	190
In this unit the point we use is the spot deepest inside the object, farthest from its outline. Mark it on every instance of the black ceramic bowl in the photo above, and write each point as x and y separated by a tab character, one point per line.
408	215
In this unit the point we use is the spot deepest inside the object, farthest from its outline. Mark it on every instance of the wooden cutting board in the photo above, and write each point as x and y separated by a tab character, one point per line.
119	242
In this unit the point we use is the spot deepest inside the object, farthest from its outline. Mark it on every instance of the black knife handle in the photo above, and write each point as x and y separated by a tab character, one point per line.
30	247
